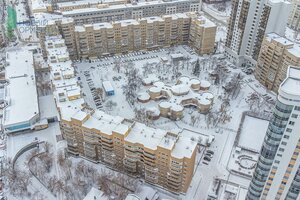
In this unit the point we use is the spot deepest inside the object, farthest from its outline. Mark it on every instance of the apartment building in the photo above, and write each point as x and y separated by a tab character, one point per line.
145	34
73	5
277	174
249	22
202	35
160	157
110	13
276	54
294	19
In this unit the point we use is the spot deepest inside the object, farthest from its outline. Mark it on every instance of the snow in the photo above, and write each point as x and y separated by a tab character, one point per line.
176	107
47	107
149	137
154	111
252	133
159	84
112	7
150	79
95	194
205	84
107	86
143	96
291	85
184	147
180	89
165	104
121	129
155	89
23	106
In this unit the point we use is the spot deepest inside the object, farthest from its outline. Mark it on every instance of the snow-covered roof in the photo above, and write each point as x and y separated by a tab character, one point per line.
204	83
95	194
184	148
121	129
291	85
155	89
252	133
104	123
180	89
21	92
121	6
107	86
150	79
144	96
47	107
147	136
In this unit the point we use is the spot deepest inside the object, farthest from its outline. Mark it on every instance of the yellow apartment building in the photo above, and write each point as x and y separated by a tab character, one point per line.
276	54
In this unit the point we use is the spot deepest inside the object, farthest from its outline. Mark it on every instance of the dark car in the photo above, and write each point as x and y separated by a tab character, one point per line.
210	152
207	158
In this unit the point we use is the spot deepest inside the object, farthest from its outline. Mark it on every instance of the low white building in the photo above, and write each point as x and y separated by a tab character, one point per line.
22	111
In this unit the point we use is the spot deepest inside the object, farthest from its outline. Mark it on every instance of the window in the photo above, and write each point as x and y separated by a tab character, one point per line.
288	130
297	108
283	143
290	165
277	161
292	123
294	116
286	136
279	155
281	149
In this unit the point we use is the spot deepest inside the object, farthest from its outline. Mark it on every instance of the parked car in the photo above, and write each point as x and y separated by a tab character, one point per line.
210	152
205	163
207	158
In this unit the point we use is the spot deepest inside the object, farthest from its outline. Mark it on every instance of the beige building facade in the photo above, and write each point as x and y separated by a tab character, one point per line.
276	54
294	19
101	39
145	34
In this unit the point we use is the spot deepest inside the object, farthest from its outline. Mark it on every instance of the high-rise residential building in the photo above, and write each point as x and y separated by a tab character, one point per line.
276	54
161	157
107	13
277	173
93	40
248	24
294	19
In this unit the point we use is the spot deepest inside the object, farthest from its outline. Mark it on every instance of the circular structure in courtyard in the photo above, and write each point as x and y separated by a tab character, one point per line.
143	97
153	113
176	111
208	95
164	108
154	92
184	80
195	84
204	85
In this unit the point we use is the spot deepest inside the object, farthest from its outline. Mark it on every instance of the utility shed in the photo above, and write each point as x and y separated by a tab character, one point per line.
108	88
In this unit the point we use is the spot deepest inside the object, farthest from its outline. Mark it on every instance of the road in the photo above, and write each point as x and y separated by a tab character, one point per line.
210	14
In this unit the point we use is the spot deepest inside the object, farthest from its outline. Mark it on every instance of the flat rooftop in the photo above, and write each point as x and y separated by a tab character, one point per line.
121	6
21	92
291	85
253	133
